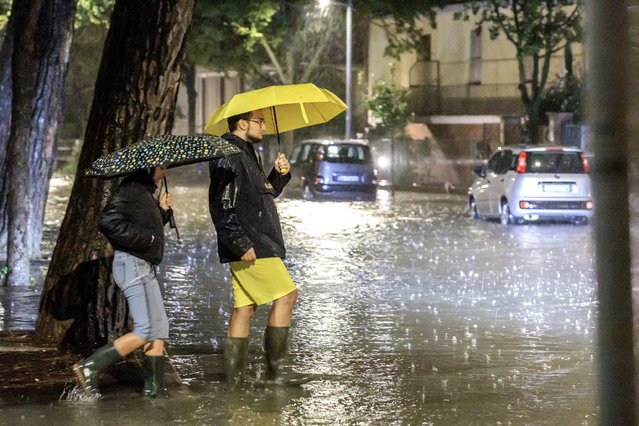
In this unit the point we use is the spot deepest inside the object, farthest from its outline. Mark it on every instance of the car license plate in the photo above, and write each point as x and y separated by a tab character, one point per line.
347	178
556	187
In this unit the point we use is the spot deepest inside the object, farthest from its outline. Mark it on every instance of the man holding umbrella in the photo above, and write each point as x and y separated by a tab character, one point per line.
242	206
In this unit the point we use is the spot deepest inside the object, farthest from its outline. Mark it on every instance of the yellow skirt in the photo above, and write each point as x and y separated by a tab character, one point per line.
260	282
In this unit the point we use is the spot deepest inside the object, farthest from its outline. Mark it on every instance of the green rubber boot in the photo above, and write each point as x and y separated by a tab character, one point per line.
235	354
275	348
154	377
88	370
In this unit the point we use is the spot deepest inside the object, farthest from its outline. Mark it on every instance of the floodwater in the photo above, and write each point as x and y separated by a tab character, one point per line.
409	313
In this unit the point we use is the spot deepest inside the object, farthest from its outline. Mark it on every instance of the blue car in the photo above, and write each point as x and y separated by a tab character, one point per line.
333	169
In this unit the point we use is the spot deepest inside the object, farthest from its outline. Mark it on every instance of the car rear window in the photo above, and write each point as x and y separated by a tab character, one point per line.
346	153
552	162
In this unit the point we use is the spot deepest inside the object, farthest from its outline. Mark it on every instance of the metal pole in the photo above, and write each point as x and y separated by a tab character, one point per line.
349	58
608	88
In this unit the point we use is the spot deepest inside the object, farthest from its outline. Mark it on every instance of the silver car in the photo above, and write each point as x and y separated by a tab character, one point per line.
526	184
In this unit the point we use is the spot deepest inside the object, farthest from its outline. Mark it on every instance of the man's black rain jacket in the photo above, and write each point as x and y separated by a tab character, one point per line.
242	204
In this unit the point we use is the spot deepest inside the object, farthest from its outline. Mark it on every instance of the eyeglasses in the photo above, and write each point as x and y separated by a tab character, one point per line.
259	121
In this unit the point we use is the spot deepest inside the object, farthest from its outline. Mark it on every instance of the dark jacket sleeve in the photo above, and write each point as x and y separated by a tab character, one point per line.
223	202
116	228
278	180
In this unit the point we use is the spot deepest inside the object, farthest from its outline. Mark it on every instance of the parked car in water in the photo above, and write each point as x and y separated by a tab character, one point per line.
333	169
526	184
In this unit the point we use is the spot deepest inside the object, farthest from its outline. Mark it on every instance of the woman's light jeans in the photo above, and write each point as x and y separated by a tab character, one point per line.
136	278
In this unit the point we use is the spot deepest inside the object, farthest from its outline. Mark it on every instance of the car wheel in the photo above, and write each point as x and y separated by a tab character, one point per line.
472	209
504	216
580	221
307	194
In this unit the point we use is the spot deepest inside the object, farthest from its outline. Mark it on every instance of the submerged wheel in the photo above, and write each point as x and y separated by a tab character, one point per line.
504	216
307	194
580	221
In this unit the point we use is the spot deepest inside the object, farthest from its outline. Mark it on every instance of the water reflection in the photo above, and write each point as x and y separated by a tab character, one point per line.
410	312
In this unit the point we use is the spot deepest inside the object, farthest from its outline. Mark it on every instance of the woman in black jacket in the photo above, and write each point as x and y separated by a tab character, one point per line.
133	222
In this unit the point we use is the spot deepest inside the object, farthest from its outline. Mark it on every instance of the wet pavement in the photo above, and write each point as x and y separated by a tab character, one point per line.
409	313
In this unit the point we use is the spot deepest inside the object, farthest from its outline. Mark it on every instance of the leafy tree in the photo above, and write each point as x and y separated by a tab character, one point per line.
271	42
537	29
93	12
389	103
565	95
215	41
285	42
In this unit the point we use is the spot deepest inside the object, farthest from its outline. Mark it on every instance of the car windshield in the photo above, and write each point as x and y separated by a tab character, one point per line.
346	153
553	162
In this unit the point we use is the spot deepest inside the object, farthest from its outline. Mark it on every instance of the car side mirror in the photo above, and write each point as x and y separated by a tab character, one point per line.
480	171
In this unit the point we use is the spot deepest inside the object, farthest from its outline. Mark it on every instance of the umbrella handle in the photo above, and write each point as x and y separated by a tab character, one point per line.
172	223
284	170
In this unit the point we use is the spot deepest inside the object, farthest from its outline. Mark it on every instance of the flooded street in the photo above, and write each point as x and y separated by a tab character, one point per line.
409	312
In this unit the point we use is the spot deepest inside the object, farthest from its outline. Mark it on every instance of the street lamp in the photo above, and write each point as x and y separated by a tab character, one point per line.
349	57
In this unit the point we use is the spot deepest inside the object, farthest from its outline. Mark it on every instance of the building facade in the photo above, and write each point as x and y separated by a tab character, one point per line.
459	70
212	90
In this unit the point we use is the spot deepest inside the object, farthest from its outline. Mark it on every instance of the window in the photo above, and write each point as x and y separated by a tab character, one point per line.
306	149
493	163
425	53
554	162
295	154
475	57
346	153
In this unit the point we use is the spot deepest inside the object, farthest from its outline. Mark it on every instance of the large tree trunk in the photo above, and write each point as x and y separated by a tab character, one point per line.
56	28
44	70
135	96
26	14
5	127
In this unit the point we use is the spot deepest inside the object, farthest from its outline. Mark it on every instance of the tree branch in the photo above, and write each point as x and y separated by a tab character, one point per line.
274	61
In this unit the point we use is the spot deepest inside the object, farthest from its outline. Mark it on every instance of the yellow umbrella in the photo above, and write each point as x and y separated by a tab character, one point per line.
286	107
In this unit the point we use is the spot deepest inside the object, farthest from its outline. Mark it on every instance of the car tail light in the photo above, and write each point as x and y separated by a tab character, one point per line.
521	162
588	205
525	205
319	156
584	162
318	180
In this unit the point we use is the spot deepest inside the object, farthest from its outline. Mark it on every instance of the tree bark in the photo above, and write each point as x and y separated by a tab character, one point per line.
26	14
55	35
135	95
6	95
49	41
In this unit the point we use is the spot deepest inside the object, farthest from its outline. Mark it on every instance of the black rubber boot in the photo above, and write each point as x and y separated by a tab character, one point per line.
154	377
275	348
88	370
235	354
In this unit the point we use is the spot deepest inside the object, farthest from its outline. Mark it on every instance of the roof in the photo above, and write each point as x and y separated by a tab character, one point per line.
519	148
